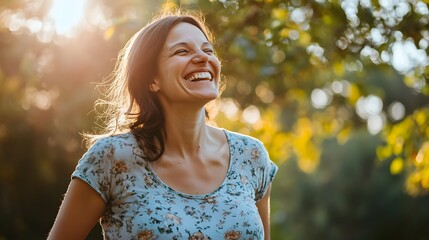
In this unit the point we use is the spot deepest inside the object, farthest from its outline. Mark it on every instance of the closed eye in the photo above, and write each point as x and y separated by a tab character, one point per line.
208	50
180	51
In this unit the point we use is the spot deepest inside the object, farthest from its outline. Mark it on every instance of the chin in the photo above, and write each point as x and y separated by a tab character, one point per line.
212	96
209	95
207	98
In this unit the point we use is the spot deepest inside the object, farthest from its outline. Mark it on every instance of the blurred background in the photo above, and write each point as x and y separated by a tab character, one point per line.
337	91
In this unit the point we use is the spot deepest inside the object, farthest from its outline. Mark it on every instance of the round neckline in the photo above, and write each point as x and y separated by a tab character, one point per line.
204	195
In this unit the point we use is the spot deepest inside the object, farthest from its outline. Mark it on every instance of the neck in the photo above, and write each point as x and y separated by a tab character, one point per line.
186	131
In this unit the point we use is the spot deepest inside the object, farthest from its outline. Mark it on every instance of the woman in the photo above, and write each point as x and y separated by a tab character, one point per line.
164	173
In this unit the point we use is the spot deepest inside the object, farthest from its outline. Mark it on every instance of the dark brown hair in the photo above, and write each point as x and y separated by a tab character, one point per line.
131	106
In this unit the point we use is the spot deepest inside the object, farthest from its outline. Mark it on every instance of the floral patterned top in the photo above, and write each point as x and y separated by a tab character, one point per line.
139	205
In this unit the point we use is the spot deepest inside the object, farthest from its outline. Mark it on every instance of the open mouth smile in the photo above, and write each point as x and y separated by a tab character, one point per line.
200	76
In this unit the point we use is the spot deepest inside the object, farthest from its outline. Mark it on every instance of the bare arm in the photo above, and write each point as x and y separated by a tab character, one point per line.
264	211
81	209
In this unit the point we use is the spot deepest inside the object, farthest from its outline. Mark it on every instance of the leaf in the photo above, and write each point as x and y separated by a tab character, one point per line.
425	178
413	183
327	19
338	68
108	33
304	38
344	135
169	5
384	152
279	13
354	94
422	157
397	166
421	118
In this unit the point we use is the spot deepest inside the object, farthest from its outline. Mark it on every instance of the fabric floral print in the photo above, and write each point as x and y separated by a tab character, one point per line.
139	205
232	235
146	235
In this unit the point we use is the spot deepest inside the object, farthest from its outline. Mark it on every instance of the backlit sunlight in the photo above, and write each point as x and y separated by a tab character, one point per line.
67	15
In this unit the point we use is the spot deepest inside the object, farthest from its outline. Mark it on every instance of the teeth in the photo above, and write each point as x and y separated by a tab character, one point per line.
199	76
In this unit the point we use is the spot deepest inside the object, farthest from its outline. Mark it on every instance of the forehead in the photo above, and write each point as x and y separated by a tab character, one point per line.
185	32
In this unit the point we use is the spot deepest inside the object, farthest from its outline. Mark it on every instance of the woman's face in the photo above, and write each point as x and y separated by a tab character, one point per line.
188	69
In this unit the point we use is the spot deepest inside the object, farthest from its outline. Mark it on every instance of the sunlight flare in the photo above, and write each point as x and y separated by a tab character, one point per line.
67	15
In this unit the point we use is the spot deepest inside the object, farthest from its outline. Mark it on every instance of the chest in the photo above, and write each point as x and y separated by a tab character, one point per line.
194	179
196	174
156	210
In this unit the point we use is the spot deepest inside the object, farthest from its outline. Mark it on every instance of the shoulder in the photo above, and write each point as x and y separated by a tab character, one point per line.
116	145
249	149
117	140
243	140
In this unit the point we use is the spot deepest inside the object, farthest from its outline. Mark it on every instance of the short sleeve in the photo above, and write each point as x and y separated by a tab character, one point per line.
93	167
265	172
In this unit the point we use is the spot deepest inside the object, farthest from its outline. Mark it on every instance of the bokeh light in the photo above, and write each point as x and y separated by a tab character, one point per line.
251	114
407	56
229	107
375	123
369	106
66	15
396	111
320	98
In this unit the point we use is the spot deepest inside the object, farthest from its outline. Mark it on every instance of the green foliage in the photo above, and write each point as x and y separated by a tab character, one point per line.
300	76
408	144
349	196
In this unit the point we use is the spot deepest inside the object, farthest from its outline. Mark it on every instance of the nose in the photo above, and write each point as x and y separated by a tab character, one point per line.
200	57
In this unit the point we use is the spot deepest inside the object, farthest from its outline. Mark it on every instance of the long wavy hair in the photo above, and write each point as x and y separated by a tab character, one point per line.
131	106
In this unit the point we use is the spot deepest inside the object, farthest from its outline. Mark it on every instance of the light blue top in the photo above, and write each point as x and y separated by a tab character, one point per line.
140	206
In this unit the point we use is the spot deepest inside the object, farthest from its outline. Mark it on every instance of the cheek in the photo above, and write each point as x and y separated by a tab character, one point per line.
216	64
168	71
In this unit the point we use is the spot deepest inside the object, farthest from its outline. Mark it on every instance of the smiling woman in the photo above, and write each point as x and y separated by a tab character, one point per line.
66	15
162	171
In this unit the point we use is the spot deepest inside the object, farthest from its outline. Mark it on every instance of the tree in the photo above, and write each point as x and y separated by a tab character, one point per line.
325	68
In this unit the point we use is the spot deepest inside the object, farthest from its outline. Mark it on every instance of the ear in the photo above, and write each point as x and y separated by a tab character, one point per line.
154	87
